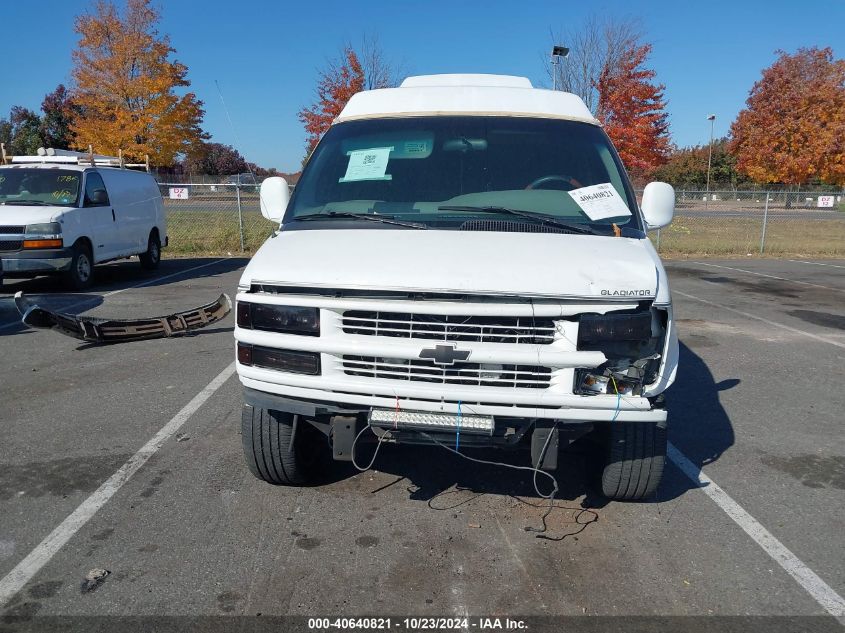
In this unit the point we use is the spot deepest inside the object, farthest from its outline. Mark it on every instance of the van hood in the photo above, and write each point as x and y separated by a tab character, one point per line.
488	263
20	215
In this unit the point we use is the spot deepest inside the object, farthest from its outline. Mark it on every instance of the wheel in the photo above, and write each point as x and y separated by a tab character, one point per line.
151	259
266	437
81	272
634	456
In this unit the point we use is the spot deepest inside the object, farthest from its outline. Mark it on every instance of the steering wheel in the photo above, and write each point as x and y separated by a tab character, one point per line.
569	180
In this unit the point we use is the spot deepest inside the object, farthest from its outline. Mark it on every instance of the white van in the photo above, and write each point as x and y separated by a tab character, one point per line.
61	215
463	262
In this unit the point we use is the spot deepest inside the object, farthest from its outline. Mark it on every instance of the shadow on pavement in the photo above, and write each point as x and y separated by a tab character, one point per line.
123	274
10	318
699	426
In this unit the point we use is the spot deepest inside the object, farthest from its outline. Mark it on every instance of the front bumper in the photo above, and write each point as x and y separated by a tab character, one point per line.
565	408
36	262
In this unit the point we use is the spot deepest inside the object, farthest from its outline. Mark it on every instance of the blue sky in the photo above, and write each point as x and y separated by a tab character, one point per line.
265	55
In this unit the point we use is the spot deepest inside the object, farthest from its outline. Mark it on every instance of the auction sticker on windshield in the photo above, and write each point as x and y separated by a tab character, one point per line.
367	164
600	202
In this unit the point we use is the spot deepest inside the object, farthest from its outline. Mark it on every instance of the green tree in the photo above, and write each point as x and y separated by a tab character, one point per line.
215	159
21	132
59	112
687	167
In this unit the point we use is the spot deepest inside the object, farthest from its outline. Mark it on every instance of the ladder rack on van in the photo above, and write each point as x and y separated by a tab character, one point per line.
64	156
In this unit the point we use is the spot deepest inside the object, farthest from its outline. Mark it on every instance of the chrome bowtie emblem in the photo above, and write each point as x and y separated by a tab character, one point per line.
444	354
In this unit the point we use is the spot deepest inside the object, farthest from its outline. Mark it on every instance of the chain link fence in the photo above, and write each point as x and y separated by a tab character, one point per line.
225	218
213	218
755	223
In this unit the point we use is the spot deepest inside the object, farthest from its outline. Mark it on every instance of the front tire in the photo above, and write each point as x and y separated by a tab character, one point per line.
150	260
634	457
81	273
277	454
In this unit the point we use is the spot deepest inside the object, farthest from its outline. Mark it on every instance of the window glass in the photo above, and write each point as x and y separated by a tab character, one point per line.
411	167
39	187
95	191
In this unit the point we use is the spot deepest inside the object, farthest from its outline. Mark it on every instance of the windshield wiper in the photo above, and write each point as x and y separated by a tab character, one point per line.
540	217
372	217
27	203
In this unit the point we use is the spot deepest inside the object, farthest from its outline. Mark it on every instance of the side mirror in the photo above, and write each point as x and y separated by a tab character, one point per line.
99	198
658	205
274	198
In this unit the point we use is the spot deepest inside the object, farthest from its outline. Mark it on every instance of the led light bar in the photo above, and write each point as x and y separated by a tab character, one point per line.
431	421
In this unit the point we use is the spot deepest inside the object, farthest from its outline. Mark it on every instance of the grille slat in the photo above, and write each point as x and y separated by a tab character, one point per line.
12	230
11	245
522	330
471	374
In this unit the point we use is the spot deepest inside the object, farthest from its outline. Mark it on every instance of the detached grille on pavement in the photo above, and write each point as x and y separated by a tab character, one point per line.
523	330
472	374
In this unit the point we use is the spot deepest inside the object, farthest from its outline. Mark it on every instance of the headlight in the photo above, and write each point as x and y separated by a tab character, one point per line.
633	344
48	235
49	229
596	329
273	318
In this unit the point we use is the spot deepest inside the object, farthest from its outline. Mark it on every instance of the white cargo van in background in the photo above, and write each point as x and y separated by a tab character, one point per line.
60	215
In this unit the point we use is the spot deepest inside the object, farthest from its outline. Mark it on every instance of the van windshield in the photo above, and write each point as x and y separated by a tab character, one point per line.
39	187
454	172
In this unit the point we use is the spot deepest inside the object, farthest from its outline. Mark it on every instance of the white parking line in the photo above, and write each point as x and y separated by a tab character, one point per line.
117	292
44	551
821	592
751	272
748	315
801	261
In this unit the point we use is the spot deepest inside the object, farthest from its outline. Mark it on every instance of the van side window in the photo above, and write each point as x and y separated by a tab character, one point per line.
95	191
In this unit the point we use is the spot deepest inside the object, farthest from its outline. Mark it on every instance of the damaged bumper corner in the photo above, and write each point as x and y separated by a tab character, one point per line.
100	330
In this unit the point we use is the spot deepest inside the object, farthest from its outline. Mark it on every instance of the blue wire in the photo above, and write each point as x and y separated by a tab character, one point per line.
458	434
618	402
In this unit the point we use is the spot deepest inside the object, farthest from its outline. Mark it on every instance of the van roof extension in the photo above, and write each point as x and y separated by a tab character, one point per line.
472	95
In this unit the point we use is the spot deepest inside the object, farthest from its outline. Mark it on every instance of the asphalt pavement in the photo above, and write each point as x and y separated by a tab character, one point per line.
186	532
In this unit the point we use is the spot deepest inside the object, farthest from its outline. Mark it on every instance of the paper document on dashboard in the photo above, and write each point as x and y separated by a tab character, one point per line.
367	164
600	202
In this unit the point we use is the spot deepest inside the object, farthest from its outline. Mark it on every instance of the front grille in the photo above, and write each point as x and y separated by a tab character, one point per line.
12	230
11	245
472	374
478	329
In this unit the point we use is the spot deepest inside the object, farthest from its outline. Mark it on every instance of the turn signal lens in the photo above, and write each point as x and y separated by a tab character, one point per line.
43	243
280	359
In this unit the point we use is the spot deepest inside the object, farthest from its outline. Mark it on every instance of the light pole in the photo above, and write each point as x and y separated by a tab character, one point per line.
557	53
712	119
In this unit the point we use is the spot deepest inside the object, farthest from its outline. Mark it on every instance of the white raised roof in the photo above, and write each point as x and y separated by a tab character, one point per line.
499	81
477	95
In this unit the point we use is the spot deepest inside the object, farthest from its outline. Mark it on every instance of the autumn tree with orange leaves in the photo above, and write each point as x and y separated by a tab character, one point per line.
337	83
126	86
793	129
632	109
351	72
